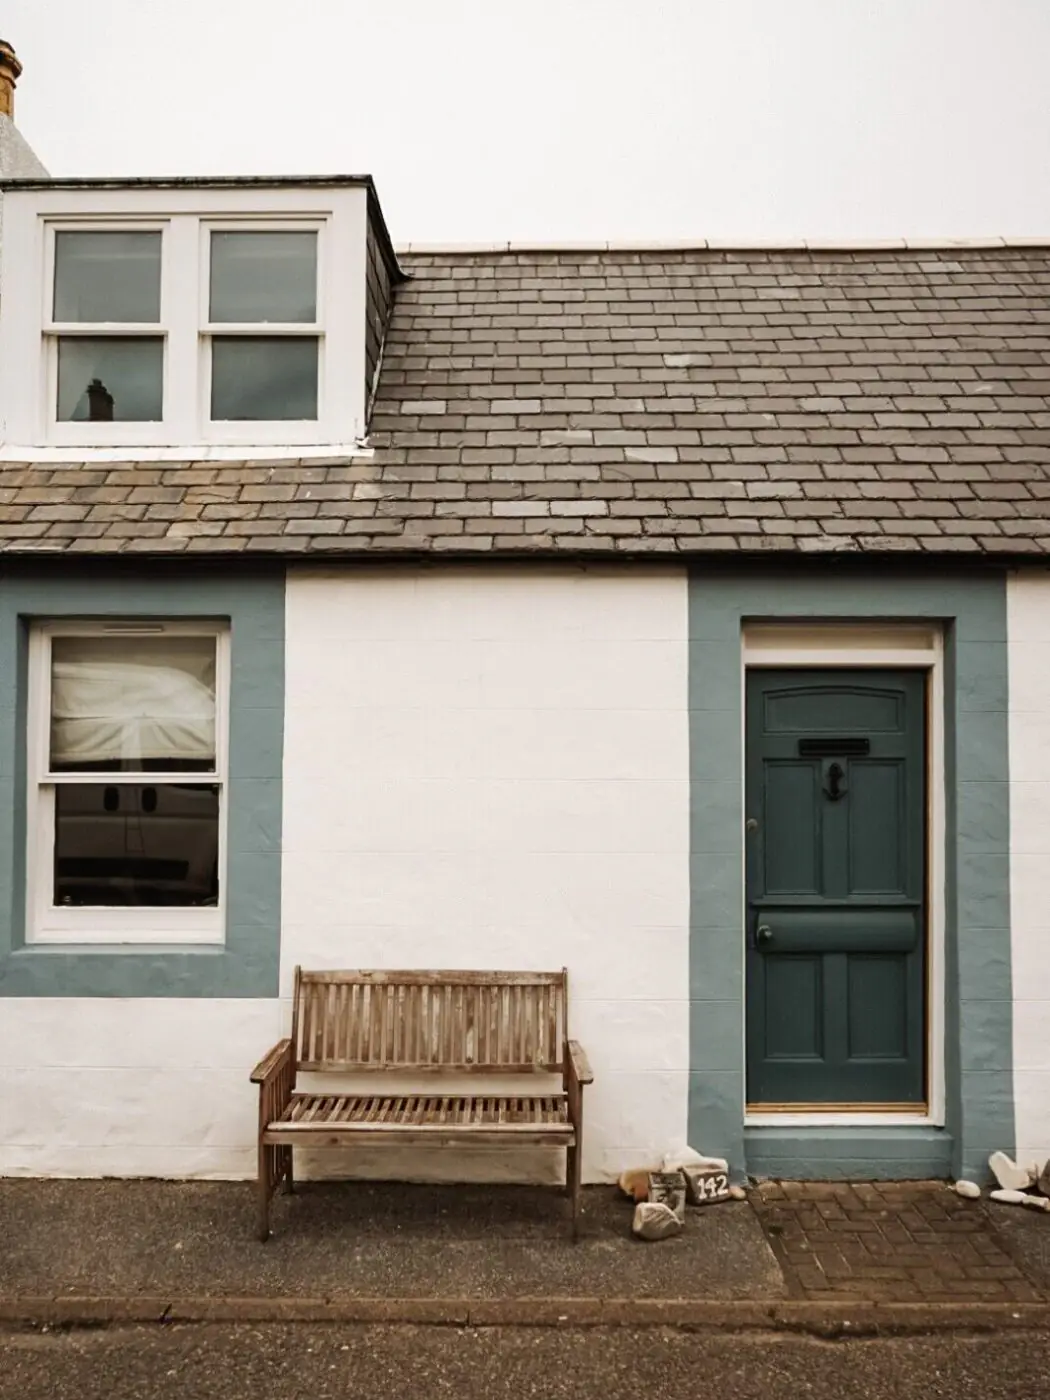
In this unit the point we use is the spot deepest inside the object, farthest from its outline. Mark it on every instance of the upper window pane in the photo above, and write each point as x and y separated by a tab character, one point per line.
132	704
264	277
107	277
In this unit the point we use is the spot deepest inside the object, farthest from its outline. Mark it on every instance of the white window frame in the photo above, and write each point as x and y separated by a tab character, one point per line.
248	431
48	923
915	645
74	434
185	216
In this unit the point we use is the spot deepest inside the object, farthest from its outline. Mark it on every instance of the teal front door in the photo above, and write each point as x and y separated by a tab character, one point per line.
836	888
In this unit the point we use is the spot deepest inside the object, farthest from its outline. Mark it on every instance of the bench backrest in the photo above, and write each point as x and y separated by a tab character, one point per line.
473	1022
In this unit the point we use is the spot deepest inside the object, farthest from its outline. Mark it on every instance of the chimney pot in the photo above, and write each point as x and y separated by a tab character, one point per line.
10	71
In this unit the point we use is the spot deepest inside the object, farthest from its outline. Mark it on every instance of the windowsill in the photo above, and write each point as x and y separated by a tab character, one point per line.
150	949
188	452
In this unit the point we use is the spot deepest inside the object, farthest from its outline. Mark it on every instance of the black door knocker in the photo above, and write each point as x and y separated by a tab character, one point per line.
834	787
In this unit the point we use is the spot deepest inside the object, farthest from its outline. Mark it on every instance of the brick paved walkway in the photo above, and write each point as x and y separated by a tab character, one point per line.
905	1241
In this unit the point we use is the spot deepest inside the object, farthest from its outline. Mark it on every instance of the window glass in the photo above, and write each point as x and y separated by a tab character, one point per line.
264	276
110	379
132	704
263	378
126	844
107	276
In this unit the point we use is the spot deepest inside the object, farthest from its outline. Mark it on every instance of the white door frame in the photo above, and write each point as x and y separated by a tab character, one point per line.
900	646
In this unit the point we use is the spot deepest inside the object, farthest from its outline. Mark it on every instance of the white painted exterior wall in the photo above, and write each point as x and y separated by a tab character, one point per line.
1028	602
126	1087
481	770
490	770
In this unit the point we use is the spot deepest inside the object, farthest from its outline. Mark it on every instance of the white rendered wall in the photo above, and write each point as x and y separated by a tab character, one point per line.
489	769
1029	649
115	1087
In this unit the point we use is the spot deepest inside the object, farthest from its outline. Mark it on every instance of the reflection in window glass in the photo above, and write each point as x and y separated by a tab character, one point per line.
264	276
258	378
110	379
132	704
126	844
107	276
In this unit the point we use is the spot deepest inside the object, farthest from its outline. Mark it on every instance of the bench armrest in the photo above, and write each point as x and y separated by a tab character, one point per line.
580	1066
271	1062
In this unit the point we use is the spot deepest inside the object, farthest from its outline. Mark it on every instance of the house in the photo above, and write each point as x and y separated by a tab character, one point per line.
677	615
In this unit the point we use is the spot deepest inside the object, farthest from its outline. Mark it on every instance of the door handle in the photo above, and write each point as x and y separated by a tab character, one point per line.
763	935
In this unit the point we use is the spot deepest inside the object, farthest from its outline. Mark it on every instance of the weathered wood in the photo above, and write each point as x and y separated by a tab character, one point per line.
431	1024
456	977
467	1022
581	1066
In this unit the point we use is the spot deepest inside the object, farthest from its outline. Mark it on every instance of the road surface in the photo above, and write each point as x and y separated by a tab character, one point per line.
246	1362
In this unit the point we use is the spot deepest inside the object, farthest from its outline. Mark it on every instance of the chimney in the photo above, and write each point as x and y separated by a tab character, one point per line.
10	71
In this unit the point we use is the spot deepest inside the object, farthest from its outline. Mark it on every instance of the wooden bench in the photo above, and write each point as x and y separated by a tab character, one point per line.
422	1026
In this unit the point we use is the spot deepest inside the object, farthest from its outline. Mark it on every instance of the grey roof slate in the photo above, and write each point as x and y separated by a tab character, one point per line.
670	402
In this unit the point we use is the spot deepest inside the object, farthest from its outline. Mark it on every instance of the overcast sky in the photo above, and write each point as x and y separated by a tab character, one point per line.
568	119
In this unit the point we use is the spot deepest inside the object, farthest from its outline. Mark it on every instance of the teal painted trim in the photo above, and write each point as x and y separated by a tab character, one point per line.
247	965
843	1154
978	1013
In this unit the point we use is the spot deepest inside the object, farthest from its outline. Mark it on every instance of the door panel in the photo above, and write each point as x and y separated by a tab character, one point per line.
877	828
794	1017
793	860
836	894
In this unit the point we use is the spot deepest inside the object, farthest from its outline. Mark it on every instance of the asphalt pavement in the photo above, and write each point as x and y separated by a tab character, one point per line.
260	1363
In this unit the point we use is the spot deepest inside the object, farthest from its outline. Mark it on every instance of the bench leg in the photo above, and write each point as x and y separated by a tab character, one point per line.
289	1178
572	1186
264	1189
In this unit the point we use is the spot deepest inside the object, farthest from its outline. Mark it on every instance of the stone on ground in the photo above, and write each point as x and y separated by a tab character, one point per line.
1008	1174
969	1189
635	1184
1007	1197
655	1221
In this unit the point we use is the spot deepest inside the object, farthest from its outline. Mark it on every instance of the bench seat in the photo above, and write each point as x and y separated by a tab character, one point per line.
540	1118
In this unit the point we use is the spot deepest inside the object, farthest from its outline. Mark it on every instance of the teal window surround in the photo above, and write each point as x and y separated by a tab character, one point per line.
251	600
971	607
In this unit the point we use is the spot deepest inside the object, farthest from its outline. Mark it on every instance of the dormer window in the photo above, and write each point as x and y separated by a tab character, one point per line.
106	340
263	328
186	314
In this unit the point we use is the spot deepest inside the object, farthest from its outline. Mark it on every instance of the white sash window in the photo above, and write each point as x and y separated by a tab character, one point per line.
127	782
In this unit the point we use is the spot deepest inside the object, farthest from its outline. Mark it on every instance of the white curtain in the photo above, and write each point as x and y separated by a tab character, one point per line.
132	700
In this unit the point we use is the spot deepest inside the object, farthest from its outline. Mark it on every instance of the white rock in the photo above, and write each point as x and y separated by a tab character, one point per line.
738	1193
689	1157
1036	1202
1008	1174
1007	1197
653	1221
969	1189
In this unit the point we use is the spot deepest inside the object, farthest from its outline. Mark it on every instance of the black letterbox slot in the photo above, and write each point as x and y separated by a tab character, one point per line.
834	748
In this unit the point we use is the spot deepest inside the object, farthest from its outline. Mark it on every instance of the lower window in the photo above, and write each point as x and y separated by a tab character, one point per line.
127	790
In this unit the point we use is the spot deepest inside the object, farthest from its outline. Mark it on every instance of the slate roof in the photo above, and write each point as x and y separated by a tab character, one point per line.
673	402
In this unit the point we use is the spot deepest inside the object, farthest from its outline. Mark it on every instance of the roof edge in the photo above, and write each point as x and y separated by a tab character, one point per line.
225	182
739	245
180	182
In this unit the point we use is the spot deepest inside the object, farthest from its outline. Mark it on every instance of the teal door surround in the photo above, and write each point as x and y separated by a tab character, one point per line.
970	607
251	599
835	838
